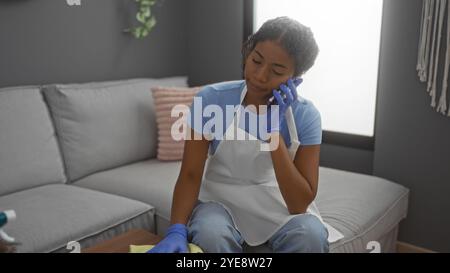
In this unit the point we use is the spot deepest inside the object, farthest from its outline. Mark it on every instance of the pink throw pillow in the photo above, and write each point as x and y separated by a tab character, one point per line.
165	98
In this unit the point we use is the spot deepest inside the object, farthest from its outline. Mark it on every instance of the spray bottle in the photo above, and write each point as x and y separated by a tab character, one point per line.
5	217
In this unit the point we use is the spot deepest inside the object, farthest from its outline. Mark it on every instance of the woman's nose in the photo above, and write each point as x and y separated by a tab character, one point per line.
262	75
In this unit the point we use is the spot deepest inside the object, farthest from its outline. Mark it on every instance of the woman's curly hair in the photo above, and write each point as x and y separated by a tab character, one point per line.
297	39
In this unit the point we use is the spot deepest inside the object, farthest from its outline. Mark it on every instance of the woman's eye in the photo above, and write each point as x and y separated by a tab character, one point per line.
276	73
256	62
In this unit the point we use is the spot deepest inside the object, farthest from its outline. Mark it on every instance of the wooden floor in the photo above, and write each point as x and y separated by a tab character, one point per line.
403	247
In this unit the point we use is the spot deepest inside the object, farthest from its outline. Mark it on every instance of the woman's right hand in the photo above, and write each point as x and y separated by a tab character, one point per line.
277	115
175	241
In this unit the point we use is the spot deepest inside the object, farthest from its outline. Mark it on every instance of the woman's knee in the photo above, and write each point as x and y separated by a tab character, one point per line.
303	233
212	229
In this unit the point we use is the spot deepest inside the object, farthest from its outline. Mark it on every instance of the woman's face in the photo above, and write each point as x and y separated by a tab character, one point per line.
266	67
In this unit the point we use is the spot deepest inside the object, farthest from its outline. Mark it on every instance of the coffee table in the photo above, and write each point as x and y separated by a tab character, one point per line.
121	243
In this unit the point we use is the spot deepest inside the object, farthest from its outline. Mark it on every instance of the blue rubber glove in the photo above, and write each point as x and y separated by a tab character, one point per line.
175	241
276	116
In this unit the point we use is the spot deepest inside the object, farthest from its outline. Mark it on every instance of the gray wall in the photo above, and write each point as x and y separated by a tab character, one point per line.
412	145
345	158
47	41
214	40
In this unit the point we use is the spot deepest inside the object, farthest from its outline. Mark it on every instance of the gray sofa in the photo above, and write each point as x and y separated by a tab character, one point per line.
78	163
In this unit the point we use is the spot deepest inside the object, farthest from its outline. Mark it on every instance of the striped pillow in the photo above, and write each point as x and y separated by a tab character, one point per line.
165	98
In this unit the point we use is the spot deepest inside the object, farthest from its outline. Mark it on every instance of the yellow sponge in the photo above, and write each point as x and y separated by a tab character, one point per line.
144	248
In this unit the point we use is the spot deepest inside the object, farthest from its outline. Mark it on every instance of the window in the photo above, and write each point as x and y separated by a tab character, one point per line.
343	81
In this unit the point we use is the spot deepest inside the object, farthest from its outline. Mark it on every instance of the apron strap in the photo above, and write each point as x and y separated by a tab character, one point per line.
291	126
237	114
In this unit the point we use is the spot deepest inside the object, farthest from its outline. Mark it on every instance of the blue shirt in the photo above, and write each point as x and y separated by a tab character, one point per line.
219	95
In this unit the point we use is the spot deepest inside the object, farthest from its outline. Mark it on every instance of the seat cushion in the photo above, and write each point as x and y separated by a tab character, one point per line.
50	216
29	153
362	207
105	125
151	181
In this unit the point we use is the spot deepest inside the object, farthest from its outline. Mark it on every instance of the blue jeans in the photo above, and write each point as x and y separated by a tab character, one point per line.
212	229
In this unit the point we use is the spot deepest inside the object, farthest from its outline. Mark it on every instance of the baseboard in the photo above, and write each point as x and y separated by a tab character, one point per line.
403	247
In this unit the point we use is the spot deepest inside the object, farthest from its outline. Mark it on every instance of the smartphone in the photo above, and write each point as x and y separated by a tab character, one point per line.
272	99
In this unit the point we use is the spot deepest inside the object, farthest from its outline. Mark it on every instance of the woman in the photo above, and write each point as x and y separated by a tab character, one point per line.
249	194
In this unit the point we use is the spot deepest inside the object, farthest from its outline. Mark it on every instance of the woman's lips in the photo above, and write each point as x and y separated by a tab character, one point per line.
256	87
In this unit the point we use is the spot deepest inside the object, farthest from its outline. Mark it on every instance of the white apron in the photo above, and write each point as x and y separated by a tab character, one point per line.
240	177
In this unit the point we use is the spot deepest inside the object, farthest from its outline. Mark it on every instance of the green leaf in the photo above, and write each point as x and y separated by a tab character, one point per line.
141	18
146	12
147	2
144	32
135	32
150	23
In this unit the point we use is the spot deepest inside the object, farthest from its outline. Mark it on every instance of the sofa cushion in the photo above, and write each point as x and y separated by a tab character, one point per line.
105	125
151	181
50	216
165	100
29	153
168	81
362	207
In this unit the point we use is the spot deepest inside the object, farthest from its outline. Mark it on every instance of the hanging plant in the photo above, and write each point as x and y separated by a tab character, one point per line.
145	18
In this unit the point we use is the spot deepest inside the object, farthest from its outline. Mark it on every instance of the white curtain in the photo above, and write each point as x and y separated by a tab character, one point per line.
430	42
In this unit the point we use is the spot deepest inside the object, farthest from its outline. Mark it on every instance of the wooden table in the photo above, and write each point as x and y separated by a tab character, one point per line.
121	243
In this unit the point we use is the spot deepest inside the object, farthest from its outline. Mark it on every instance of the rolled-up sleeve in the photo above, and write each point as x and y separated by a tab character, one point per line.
309	125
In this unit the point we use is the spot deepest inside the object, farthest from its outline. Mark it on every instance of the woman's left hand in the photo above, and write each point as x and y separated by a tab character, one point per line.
283	102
